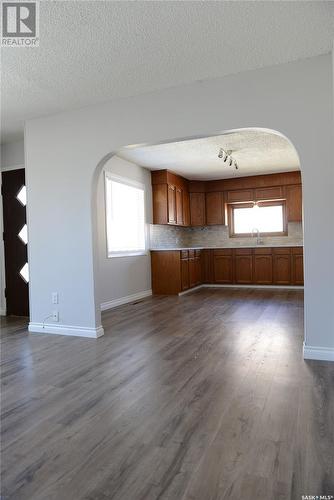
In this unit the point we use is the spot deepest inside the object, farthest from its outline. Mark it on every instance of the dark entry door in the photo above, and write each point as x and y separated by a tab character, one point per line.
15	242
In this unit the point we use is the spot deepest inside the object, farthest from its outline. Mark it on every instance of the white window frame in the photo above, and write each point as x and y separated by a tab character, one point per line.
132	183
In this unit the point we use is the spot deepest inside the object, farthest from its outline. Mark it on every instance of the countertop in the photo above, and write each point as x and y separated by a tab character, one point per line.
220	246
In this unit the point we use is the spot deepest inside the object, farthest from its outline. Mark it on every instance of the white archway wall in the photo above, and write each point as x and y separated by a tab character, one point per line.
62	152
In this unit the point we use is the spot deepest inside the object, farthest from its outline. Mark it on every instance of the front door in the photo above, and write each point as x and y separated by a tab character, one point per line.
15	242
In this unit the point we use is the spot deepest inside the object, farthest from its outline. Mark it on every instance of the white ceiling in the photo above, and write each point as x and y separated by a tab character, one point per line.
93	51
256	152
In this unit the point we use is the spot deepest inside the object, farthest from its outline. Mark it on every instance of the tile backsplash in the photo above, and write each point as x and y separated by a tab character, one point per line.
215	236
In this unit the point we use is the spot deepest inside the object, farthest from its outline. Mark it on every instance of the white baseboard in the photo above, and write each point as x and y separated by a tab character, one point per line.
77	331
125	300
262	287
318	353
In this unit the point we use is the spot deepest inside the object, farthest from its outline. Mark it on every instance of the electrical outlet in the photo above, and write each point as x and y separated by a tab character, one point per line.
55	298
55	316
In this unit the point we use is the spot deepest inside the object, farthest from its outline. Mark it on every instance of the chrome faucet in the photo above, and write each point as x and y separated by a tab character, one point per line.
258	239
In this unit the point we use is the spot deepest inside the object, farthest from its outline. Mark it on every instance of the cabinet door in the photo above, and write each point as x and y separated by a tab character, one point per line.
271	193
197	209
297	270
171	204
206	266
294	203
198	270
179	206
243	269
214	208
240	195
160	203
282	269
223	269
184	274
263	269
186	208
192	272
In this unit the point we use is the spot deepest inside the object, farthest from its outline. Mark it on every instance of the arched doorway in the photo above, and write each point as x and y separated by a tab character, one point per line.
128	153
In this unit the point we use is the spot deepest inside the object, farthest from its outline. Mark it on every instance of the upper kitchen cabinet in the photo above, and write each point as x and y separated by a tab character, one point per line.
197	209
215	212
177	201
240	195
170	199
294	203
269	193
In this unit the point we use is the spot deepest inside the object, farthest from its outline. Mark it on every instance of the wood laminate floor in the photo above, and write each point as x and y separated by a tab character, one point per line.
199	397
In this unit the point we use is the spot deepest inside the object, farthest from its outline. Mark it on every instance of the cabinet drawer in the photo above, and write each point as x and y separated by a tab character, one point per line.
241	195
262	251
191	253
282	251
197	253
297	250
273	193
243	251
222	251
184	254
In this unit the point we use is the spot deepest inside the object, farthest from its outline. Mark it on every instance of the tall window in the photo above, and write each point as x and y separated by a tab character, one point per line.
266	217
125	216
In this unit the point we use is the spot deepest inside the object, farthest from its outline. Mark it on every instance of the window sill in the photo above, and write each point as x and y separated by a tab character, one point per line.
112	255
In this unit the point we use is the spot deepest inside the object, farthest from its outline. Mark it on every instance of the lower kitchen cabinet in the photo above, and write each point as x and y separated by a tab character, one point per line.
175	271
223	266
192	269
184	271
297	267
262	267
243	266
282	266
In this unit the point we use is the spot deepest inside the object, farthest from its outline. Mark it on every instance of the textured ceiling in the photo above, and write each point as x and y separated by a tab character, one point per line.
256	152
95	51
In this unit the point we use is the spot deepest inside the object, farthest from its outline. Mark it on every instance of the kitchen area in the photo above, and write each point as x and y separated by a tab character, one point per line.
195	240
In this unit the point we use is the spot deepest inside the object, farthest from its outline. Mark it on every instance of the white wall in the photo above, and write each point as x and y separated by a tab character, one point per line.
120	277
62	152
12	157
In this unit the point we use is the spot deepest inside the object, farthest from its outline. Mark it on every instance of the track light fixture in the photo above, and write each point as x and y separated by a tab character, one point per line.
227	158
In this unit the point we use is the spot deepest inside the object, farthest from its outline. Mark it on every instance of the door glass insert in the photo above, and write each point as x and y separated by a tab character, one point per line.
23	234
24	273
22	195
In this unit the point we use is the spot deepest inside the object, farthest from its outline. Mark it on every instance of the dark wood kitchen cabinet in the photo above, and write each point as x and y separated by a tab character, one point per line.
179	206
197	209
262	266
243	266
215	212
186	208
294	203
179	201
174	271
171	198
195	271
184	270
282	266
223	266
297	265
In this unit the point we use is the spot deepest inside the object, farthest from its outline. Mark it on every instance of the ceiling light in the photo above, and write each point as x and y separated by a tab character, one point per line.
227	158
